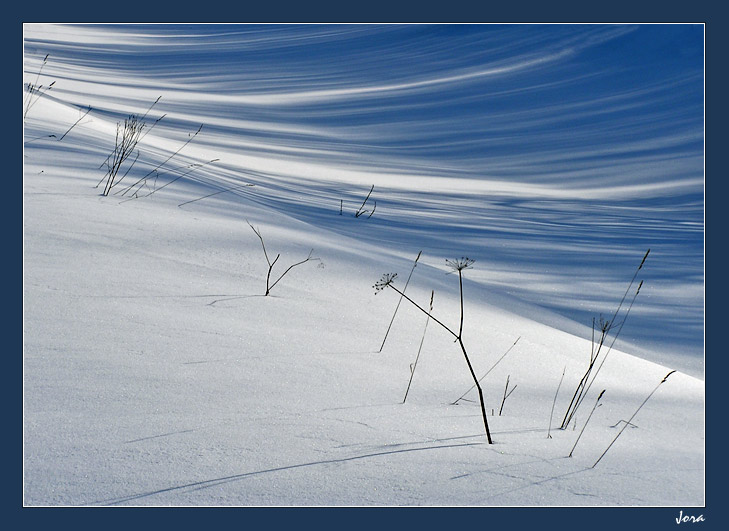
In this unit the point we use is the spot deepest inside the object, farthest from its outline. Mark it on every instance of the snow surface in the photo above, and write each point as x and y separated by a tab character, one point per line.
157	373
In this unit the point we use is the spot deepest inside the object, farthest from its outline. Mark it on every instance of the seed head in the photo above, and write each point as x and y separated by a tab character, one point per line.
461	263
385	281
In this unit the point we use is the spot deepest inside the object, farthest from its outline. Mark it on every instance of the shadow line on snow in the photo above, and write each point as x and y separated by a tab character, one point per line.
198	485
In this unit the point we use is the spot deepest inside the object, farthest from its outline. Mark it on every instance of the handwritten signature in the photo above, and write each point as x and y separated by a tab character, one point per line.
689	518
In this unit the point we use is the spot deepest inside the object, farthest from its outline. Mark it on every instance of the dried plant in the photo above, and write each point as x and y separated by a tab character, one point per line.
75	124
551	414
399	301
462	397
361	210
597	404
387	281
128	135
420	348
605	327
142	181
269	284
507	394
629	421
33	91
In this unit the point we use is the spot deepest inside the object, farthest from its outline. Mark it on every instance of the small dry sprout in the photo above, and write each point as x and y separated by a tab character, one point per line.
460	264
385	281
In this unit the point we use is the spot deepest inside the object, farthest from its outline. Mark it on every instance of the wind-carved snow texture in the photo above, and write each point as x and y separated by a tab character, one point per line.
157	373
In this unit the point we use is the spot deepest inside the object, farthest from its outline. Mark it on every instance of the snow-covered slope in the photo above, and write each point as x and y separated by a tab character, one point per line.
157	373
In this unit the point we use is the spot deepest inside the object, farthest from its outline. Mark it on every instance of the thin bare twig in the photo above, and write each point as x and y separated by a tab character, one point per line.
549	431
361	209
506	395
597	404
270	263
399	301
414	365
629	421
487	372
75	124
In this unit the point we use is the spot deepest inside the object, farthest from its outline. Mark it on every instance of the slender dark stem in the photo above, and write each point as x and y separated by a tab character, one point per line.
420	348
487	372
580	389
627	423
291	267
268	275
506	395
145	134
465	355
361	210
424	311
549	431
588	420
34	89
460	285
166	160
75	124
399	301
615	337
480	391
584	386
269	286
116	183
262	244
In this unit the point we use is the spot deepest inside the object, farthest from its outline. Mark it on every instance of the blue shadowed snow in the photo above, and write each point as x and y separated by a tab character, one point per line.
555	155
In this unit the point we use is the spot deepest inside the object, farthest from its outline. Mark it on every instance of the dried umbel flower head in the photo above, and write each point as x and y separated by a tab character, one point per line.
461	263
385	281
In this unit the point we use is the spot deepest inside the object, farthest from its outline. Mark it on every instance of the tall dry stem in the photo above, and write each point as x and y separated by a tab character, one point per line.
457	266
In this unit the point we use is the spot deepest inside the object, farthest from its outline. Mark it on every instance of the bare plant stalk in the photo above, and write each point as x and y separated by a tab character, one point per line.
583	387
506	395
414	365
457	265
480	391
75	124
269	285
156	168
399	301
361	209
594	353
628	422
487	372
549	430
34	91
597	404
613	342
128	136
143	117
